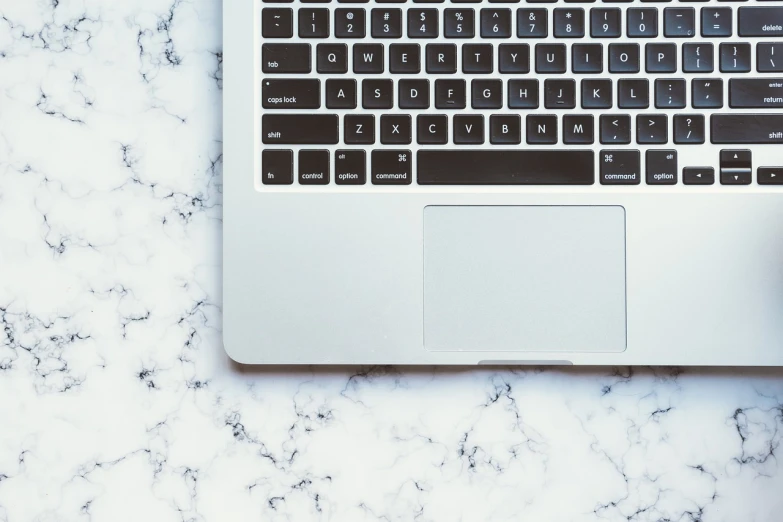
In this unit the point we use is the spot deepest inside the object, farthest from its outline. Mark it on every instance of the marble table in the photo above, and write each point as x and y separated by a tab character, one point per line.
117	401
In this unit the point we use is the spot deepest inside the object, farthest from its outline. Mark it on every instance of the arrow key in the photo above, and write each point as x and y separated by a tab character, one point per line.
770	175
735	167
698	175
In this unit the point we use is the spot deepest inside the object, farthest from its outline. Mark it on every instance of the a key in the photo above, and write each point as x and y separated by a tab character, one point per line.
697	58
532	23
736	167
578	129
449	94
661	167
377	94
769	57
514	58
349	22
299	129
350	167
615	128
756	93
642	22
541	129
505	167
414	94
468	129
633	93
624	58
569	22
619	167
359	129
432	129
716	21
386	23
735	57
660	58
486	94
670	93
458	23
587	58
477	58
404	58
769	176
605	22
340	94
331	58
688	128
652	129
496	23
367	58
505	129
277	22
290	94
285	58
707	93
314	23
764	21
391	167
314	167
277	167
422	23
679	22
746	128
559	94
698	175
597	94
550	58
441	58
395	129
523	94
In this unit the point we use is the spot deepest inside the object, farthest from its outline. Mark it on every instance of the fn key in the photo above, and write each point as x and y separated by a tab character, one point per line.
277	167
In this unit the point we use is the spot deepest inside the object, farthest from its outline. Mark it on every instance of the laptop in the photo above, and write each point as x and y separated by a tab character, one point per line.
467	182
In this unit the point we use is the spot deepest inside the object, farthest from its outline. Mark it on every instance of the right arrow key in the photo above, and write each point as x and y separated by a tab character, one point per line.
735	167
770	175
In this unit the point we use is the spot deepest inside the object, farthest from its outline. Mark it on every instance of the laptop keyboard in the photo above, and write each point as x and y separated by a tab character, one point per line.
521	93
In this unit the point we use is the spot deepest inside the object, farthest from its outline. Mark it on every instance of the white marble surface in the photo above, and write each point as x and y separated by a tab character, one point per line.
117	402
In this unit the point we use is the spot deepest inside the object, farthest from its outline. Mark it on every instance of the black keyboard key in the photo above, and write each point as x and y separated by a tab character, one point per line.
698	175
736	167
769	57
396	129
559	94
349	22
760	21
290	94
391	167
277	22
285	58
746	128
660	58
514	58
569	22
633	94
624	58
769	175
486	94
359	129
300	129
331	58
615	128
432	129
316	1
597	94
459	23
423	23
652	129
523	94
697	58
550	58
496	23
642	22
340	94
441	58
670	93
449	94
679	22
414	94
367	58
532	23
505	129
350	167
661	167
314	23
752	93
404	58
619	167
707	93
314	167
477	58
468	129
688	128
386	23
587	58
578	129
541	129
716	21
377	94
505	167
605	22
735	57
277	167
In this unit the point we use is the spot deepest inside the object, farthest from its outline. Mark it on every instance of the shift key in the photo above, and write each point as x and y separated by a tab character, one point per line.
300	129
285	58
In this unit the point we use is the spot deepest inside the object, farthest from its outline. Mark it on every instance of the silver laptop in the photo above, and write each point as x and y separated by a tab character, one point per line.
521	182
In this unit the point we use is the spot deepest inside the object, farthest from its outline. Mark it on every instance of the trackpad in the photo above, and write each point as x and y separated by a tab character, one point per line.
524	278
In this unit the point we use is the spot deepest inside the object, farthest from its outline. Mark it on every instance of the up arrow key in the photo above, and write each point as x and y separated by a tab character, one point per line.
735	167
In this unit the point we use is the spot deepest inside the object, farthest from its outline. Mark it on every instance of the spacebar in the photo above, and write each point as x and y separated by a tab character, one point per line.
505	167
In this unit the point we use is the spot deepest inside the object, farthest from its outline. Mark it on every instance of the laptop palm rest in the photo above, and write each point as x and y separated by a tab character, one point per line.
524	278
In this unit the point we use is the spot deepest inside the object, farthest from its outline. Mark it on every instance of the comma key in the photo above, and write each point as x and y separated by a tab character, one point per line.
391	167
